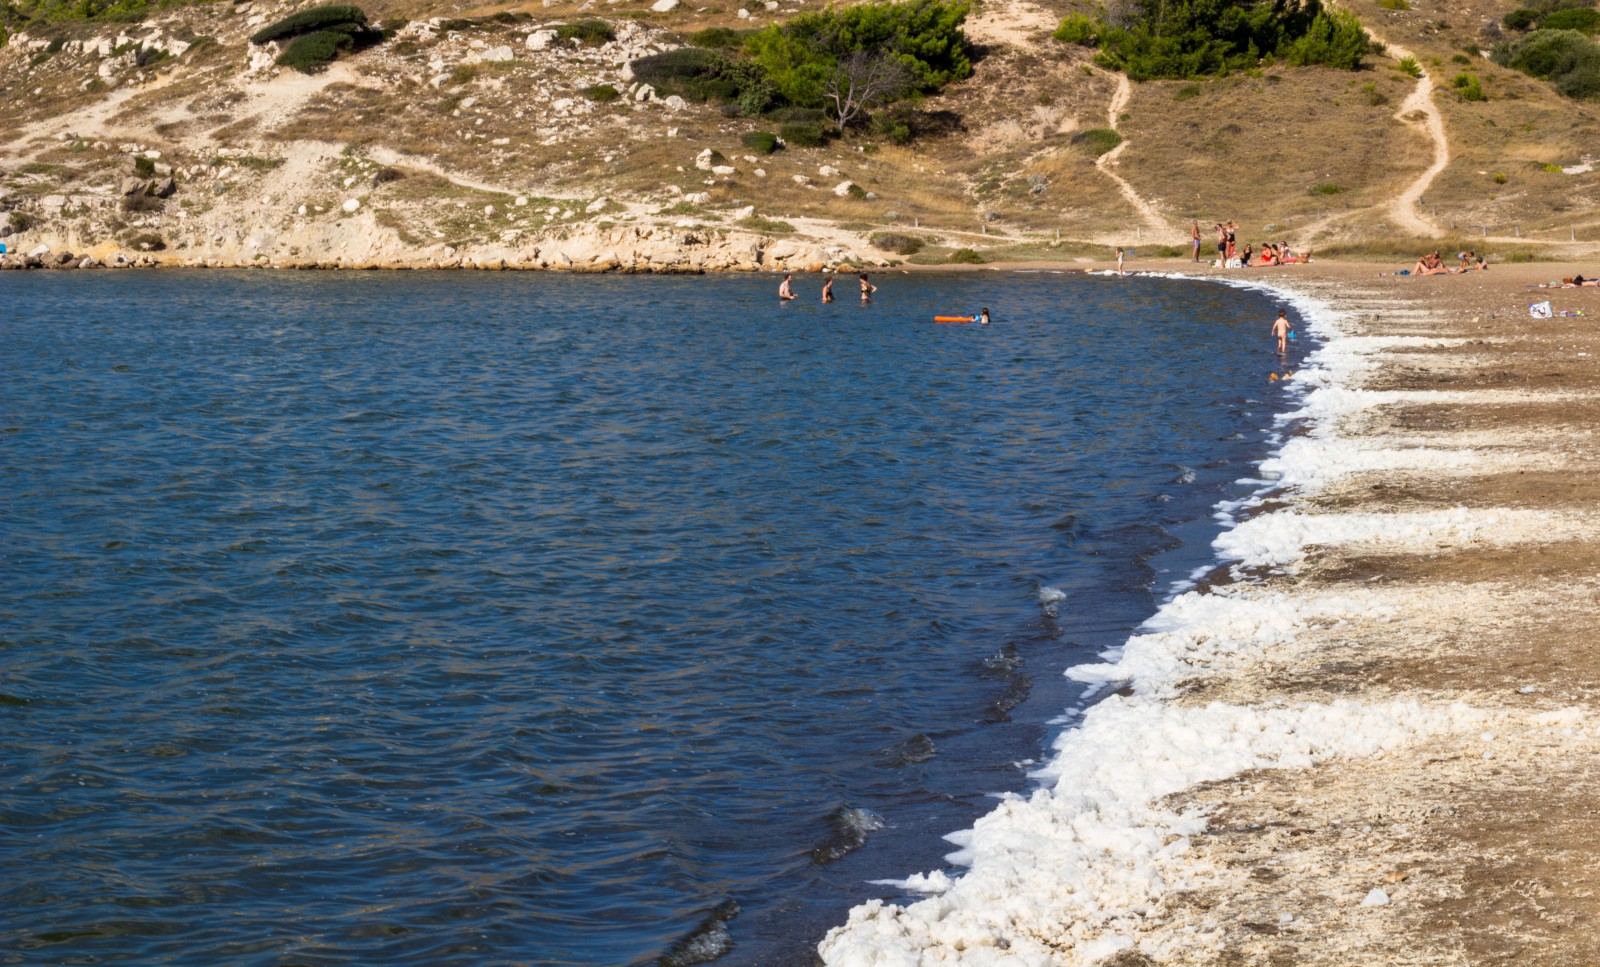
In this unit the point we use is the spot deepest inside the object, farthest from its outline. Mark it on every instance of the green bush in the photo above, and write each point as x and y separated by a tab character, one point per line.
762	142
590	33
309	53
20	221
1192	38
1520	19
1394	4
312	20
897	243
601	93
1097	140
1582	19
698	74
1078	29
802	135
1468	87
924	36
1409	65
895	125
768	226
966	256
1326	188
1460	59
724	37
144	167
55	45
1186	92
1566	58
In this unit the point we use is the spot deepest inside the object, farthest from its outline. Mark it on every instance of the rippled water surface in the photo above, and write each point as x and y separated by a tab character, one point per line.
523	619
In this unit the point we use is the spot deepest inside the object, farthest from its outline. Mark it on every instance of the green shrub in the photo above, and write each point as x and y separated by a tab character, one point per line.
1520	19
590	33
149	56
768	226
856	192
385	175
601	93
1468	87
309	21
1375	97
1499	178
698	74
924	36
762	142
1460	59
20	221
1514	258
1181	39
718	37
1582	19
1078	29
802	135
1326	188
1097	140
1394	4
144	167
309	53
897	243
1566	58
1186	92
966	256
1409	65
462	73
799	115
894	126
55	45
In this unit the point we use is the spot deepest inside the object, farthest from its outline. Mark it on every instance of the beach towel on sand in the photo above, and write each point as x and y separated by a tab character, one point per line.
1540	310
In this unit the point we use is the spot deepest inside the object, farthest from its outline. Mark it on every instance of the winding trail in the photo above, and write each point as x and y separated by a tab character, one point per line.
1404	210
1159	226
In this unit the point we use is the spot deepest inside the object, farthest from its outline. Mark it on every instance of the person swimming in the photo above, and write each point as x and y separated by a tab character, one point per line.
983	317
867	289
786	289
827	290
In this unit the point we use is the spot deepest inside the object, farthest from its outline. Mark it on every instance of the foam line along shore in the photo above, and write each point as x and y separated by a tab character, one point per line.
1186	817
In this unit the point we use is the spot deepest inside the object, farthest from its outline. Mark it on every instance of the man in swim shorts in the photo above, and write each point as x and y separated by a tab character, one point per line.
1194	238
1280	331
786	289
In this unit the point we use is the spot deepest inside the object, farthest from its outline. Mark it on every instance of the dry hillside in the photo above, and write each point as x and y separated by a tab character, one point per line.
469	136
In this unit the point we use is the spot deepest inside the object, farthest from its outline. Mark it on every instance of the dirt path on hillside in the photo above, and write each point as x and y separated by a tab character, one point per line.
1404	211
1158	224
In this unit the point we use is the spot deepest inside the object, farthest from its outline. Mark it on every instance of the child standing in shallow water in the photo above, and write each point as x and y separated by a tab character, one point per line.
1280	330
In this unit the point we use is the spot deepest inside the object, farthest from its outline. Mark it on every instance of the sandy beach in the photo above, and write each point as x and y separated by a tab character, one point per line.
1368	736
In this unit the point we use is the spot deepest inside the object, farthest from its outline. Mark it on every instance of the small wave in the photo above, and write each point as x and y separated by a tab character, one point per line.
1049	595
850	828
1185	475
709	941
918	748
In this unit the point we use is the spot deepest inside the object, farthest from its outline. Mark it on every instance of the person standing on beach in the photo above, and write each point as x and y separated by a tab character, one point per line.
1222	246
786	289
1194	237
1280	331
867	288
827	291
1119	262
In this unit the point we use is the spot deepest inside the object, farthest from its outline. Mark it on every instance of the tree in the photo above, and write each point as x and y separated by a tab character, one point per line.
861	80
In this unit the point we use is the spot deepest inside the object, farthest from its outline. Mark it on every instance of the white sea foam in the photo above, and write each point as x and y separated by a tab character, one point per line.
1070	873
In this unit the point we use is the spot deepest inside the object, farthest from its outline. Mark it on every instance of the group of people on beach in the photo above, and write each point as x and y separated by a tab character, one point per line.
1229	255
1433	264
786	289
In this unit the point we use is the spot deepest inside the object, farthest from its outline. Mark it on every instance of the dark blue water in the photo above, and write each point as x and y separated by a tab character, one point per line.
526	619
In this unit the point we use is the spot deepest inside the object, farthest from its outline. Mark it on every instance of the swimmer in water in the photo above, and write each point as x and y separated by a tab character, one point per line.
827	290
786	289
983	317
867	288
